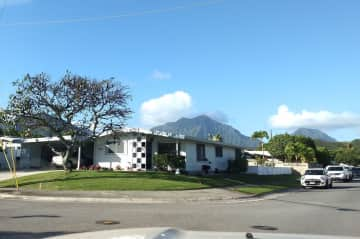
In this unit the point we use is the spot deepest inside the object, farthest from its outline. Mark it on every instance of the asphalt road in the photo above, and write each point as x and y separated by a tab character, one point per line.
312	211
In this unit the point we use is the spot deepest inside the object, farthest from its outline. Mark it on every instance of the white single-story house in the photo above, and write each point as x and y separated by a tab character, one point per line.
133	149
127	149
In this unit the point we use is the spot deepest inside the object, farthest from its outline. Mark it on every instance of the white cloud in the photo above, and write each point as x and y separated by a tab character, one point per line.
159	75
166	108
8	3
218	116
285	119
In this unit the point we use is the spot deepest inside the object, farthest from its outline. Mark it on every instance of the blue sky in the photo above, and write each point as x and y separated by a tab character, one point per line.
253	64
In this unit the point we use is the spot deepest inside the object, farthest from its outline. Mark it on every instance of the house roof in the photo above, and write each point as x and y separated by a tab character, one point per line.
173	136
32	140
260	153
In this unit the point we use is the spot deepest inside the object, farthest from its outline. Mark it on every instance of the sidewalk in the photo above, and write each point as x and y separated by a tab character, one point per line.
5	174
214	194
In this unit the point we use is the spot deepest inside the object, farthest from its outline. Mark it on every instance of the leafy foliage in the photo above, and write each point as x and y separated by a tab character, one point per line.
298	151
74	106
276	145
162	161
260	135
323	156
348	156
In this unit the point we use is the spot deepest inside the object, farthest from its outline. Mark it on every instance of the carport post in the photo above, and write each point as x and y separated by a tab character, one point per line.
79	158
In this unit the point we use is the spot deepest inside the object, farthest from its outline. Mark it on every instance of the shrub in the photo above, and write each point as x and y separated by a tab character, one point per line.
162	161
95	167
83	167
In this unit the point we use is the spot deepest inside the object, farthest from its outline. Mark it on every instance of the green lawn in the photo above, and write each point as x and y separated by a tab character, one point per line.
108	180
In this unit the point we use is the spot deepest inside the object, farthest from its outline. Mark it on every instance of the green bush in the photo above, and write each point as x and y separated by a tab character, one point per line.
162	161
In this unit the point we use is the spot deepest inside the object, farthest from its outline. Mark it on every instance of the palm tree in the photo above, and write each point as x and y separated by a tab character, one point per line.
260	135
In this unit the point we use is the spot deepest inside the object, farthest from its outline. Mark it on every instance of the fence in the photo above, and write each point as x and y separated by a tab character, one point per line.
263	170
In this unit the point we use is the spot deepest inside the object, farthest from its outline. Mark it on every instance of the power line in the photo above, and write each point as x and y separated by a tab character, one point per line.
111	17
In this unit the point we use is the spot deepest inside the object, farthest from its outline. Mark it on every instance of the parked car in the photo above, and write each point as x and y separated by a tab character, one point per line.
316	177
356	172
350	170
337	172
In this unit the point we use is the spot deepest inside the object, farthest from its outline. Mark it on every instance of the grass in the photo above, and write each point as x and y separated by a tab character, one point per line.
109	180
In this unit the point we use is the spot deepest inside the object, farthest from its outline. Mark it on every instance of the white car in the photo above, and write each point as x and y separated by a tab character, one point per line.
316	177
338	172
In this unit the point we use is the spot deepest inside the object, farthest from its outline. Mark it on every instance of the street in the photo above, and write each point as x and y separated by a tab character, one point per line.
311	211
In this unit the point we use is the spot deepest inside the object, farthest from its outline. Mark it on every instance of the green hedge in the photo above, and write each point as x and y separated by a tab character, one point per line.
162	161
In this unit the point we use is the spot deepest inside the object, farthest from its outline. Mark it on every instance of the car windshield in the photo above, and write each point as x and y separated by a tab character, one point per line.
335	169
314	172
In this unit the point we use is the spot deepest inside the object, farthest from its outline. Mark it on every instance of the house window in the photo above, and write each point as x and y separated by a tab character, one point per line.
218	151
200	152
143	165
134	155
134	144
139	160
143	144
138	139
114	146
138	149
143	155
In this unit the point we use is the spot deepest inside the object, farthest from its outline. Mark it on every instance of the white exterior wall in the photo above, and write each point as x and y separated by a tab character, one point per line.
221	163
264	170
125	160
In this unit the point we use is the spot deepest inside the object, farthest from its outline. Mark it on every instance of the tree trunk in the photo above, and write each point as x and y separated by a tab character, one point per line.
65	157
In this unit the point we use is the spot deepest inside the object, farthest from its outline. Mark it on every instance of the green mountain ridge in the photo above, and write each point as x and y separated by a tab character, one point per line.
314	134
201	126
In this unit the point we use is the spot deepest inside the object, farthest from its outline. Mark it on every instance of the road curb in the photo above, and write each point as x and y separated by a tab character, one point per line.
11	194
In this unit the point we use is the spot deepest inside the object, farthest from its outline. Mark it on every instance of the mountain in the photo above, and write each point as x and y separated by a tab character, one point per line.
201	126
314	134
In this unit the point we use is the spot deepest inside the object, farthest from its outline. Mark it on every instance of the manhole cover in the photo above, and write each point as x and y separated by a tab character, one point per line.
347	210
266	228
107	222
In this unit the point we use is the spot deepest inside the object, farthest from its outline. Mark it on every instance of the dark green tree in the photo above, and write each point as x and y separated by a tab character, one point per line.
323	156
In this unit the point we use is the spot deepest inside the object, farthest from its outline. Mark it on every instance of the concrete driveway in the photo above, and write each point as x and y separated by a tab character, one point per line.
5	174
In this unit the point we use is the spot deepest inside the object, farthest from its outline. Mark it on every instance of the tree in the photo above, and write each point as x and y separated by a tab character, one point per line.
323	156
276	145
299	152
347	156
260	135
74	106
